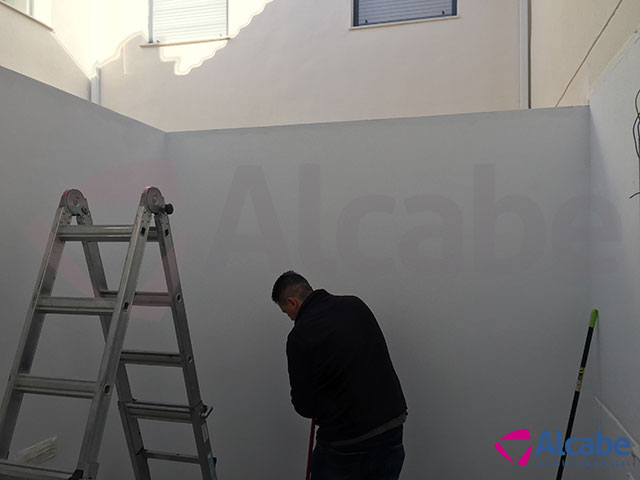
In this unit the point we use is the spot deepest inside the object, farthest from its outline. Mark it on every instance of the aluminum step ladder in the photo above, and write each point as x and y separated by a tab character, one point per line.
113	309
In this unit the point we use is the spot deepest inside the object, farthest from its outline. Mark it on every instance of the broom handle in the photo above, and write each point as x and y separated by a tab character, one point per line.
313	431
576	395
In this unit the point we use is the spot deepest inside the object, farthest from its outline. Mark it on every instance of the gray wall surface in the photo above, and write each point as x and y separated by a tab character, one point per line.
51	141
458	231
614	177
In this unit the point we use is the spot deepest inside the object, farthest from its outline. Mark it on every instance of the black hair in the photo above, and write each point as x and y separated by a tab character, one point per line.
290	284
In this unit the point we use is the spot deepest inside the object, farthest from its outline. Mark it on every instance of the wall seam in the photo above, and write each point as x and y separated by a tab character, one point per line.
586	57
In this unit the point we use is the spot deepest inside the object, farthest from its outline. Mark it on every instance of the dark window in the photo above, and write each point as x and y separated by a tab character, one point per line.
372	12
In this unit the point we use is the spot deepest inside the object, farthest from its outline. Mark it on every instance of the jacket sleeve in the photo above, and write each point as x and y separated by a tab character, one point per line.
301	376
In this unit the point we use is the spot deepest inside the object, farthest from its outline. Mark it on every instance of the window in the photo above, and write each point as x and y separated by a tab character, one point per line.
39	10
174	21
25	6
374	12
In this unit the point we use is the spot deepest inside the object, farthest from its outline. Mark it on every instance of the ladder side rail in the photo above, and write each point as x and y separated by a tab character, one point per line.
199	423
172	276
110	363
25	352
130	425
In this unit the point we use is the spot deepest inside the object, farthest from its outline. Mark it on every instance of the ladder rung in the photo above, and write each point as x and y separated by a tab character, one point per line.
171	457
58	387
101	233
76	305
159	411
144	299
15	471
159	359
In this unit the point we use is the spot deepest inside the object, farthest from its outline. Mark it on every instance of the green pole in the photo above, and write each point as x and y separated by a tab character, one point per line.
576	395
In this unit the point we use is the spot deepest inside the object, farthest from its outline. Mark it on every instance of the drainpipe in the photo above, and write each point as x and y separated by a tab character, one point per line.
525	53
95	35
95	86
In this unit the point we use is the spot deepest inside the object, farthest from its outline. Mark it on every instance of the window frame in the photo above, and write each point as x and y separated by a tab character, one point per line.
29	9
29	14
355	13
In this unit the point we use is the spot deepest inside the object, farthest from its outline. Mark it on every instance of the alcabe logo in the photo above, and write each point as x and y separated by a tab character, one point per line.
574	448
522	434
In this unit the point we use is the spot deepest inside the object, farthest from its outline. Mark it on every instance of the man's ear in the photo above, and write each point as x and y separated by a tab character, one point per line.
291	301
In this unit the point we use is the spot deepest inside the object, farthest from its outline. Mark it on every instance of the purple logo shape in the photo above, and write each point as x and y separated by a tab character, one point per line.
522	434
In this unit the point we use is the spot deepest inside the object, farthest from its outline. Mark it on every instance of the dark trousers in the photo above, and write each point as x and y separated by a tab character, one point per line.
379	458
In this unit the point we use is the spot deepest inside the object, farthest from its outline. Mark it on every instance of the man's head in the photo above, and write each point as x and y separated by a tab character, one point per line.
289	291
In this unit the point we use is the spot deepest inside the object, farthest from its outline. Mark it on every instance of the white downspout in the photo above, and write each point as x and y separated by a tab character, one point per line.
95	78
525	53
95	85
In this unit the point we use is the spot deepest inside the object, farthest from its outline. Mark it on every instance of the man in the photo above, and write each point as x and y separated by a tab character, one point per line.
342	376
